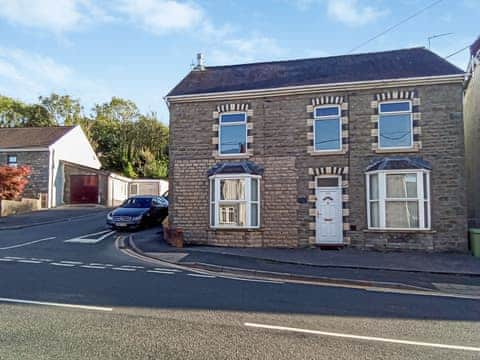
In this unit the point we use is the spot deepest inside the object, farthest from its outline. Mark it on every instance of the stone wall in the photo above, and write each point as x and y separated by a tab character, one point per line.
279	140
38	162
13	207
472	145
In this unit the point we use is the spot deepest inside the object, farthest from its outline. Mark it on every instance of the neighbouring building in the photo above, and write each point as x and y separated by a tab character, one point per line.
45	149
362	150
148	187
472	133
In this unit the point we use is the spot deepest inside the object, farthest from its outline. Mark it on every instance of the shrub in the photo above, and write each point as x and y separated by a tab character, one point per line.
13	181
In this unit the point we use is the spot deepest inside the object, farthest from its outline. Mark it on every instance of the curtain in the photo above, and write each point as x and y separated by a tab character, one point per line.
232	189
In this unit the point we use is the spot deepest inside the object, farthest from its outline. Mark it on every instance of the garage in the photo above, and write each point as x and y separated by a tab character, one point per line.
84	189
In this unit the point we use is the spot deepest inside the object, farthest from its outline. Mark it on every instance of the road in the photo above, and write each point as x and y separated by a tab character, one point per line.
85	299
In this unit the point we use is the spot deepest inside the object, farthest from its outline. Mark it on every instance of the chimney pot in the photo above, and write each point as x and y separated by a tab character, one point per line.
200	62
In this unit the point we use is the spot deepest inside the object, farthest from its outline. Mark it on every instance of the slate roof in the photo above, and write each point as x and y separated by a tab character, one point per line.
398	163
14	138
240	167
396	64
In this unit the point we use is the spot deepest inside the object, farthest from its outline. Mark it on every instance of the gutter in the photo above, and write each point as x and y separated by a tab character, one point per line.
295	90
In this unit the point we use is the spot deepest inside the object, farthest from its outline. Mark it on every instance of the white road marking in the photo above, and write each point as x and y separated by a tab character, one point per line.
360	337
6	259
29	261
71	262
92	267
84	239
98	264
75	306
133	267
252	280
14	257
61	264
27	243
167	269
202	276
160	272
123	269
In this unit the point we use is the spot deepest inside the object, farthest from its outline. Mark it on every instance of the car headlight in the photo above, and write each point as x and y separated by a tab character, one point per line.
109	216
138	218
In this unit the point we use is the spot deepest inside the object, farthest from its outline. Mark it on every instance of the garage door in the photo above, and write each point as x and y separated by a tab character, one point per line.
84	189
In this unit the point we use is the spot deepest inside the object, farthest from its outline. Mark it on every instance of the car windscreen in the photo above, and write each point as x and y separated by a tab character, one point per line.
138	203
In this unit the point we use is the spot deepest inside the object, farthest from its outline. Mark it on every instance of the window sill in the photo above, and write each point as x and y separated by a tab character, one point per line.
232	157
234	228
397	150
423	231
323	153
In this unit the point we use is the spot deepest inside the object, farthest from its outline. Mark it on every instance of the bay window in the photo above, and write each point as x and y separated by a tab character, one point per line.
235	201
398	199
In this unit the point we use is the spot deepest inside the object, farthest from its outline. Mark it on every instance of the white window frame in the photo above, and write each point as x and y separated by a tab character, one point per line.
380	113
220	125
382	198
214	183
12	164
327	117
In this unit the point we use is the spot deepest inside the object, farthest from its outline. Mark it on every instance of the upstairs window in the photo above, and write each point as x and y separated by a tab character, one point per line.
398	199
233	133
235	201
12	160
395	126
327	132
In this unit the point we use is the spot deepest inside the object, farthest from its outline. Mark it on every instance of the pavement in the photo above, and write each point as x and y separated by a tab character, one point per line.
68	292
48	216
451	273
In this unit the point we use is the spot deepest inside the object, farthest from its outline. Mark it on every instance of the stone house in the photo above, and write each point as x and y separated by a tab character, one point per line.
45	150
361	150
472	133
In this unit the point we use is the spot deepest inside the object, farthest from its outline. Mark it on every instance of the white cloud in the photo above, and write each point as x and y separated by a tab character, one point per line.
349	12
245	49
57	16
352	12
162	16
26	75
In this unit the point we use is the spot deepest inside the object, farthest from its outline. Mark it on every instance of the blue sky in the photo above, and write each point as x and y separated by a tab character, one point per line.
139	49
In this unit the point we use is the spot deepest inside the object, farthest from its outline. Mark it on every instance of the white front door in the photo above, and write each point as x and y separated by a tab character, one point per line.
329	221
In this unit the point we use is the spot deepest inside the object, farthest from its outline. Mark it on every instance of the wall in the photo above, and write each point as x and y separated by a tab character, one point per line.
279	141
12	207
38	162
148	187
118	190
472	144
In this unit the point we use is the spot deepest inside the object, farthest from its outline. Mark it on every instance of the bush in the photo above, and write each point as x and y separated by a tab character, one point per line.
13	181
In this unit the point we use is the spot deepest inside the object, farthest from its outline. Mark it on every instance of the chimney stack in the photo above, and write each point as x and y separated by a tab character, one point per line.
200	64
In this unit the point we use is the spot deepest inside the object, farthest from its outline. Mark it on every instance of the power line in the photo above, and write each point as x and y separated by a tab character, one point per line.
457	52
396	25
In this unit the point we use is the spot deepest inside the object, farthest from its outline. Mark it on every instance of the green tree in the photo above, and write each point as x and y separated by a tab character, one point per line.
63	109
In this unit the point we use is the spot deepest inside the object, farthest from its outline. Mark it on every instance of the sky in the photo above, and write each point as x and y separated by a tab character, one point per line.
140	49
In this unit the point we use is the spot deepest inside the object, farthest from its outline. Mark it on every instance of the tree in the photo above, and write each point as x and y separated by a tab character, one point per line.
14	113
63	109
13	181
38	116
